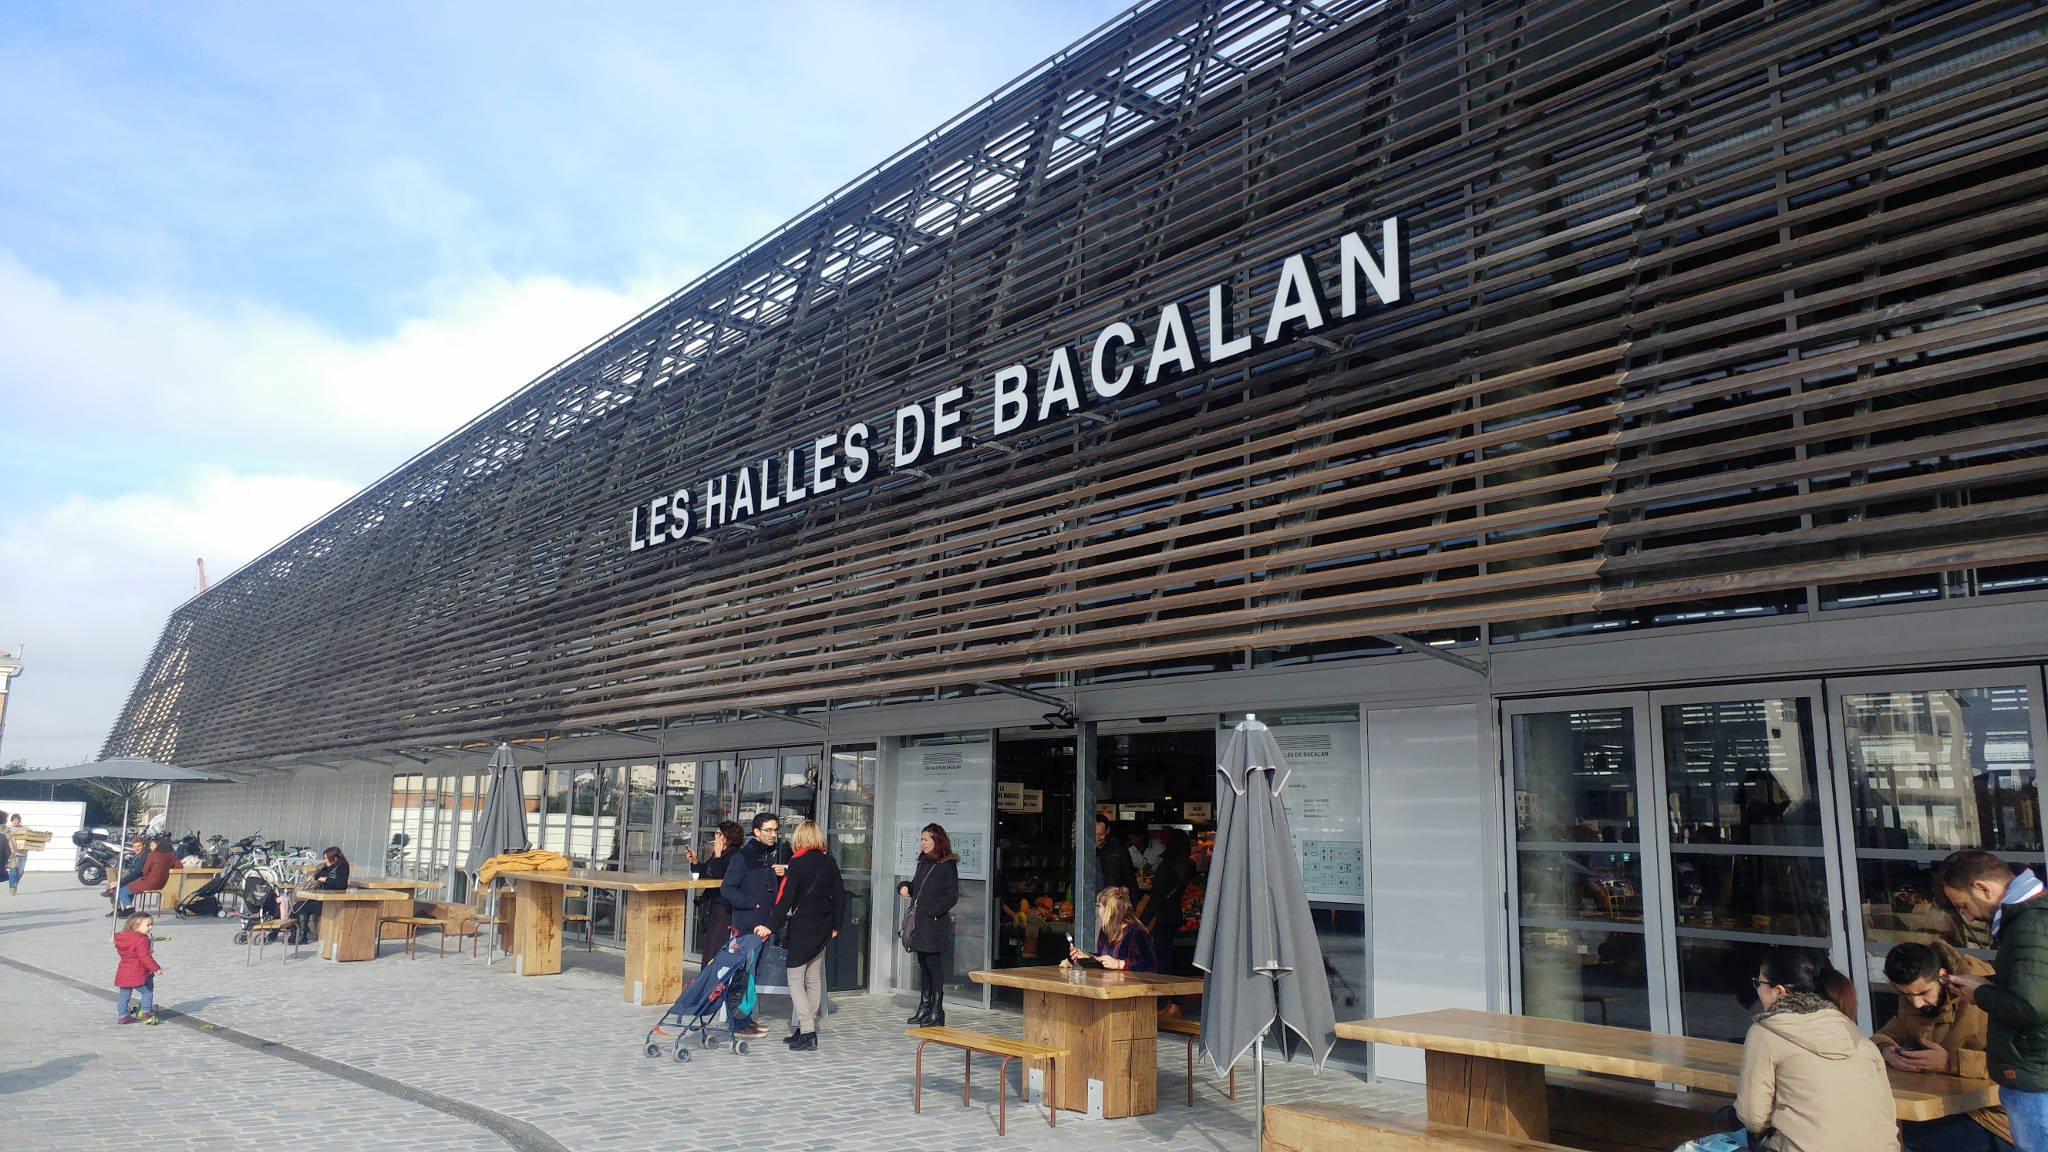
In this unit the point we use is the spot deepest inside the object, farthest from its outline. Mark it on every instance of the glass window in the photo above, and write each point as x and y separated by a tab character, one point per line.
679	815
1578	867
1748	868
757	788
1932	771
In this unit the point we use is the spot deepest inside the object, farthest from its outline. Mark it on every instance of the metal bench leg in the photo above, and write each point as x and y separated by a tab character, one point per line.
1003	1096
967	1078
917	1100
1052	1092
1191	1071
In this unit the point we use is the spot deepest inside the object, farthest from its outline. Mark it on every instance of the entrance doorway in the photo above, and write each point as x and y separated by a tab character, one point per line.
1155	781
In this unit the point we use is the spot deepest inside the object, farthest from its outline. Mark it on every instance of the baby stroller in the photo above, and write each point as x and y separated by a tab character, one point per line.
726	982
205	899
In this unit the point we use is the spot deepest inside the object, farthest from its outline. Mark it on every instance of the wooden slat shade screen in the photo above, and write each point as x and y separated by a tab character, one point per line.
1712	307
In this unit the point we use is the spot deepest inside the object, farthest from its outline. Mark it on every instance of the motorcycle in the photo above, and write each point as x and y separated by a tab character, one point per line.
98	854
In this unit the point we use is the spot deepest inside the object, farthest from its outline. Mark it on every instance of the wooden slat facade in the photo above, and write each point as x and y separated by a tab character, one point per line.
1714	309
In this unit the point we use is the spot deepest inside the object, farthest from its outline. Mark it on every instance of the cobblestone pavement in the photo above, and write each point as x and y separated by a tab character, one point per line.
453	1054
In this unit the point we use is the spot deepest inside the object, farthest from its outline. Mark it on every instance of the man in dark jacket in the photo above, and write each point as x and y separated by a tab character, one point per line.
2015	996
749	887
1112	863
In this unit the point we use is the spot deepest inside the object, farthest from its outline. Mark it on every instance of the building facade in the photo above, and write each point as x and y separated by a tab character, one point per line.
1605	441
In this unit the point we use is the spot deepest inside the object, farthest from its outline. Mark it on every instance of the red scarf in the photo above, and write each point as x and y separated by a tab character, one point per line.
785	875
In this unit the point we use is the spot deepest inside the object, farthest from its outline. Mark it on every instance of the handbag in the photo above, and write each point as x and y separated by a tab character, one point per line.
909	924
771	970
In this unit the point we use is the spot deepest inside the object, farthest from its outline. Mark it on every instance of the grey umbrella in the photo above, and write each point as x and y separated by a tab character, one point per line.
501	826
1257	947
126	769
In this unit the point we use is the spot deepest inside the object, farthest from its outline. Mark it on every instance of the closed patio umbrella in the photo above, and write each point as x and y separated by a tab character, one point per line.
501	826
1262	965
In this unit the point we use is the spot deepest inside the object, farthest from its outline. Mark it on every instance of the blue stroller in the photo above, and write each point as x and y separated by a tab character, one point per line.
726	982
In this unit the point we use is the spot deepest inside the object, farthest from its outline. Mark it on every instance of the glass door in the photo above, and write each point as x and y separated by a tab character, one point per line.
641	841
1931	764
1746	844
678	817
850	838
1579	902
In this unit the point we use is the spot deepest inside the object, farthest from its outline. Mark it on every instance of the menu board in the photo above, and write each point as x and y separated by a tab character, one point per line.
947	785
1325	803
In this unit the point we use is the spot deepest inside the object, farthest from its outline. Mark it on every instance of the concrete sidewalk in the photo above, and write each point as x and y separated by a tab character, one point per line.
433	1054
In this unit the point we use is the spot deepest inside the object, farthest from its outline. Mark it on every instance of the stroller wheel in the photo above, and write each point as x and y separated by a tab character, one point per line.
241	937
739	1047
708	1041
682	1054
653	1049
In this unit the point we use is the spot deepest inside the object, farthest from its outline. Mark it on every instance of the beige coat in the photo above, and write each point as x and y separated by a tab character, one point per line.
1808	1073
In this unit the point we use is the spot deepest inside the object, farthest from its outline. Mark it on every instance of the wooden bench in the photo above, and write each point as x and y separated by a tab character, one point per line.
1318	1126
971	1042
258	936
1192	1031
410	926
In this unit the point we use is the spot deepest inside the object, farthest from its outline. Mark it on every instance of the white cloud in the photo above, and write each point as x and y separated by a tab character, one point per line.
87	583
139	432
132	381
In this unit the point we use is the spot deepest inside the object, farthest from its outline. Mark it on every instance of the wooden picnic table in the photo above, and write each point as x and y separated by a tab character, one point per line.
1485	1069
411	888
657	925
348	920
1108	1021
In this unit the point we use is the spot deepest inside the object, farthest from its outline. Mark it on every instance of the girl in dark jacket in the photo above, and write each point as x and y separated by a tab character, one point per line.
932	891
712	910
808	907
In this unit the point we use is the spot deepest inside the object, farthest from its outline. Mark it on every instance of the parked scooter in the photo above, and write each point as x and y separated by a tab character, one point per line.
98	852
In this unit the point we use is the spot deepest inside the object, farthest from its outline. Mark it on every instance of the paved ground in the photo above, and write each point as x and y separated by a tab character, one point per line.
453	1054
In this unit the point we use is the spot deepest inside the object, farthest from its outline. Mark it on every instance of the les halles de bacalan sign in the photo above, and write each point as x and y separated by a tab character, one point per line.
1021	398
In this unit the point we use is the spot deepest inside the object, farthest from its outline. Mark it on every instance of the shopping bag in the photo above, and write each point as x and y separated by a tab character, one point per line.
771	970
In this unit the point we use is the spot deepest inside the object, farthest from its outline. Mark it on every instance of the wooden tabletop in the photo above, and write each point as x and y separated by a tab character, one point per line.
394	885
1709	1064
326	894
621	881
1092	984
196	871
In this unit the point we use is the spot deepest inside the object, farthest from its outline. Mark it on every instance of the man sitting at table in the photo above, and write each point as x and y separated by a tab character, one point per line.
1936	1030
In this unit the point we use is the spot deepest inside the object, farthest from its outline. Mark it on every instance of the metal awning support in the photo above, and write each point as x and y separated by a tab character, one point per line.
1410	644
617	732
1063	718
771	714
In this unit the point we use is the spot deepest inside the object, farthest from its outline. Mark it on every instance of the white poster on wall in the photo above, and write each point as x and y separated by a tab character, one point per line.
947	785
1325	802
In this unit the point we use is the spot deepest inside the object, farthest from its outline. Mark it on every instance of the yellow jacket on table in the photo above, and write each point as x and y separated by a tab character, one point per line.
533	861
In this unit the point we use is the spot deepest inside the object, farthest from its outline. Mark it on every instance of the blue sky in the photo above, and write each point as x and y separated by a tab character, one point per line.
254	256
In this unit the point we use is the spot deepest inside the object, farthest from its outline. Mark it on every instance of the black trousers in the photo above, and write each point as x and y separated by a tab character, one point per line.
930	980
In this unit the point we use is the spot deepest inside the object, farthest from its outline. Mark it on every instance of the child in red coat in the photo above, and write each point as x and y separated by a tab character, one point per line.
138	968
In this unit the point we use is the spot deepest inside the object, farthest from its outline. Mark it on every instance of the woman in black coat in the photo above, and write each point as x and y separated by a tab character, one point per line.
809	904
712	910
928	929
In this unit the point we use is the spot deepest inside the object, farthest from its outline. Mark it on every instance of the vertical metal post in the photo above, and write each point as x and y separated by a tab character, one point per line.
1084	833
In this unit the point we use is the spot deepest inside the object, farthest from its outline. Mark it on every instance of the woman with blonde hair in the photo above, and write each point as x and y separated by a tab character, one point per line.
1121	943
808	907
